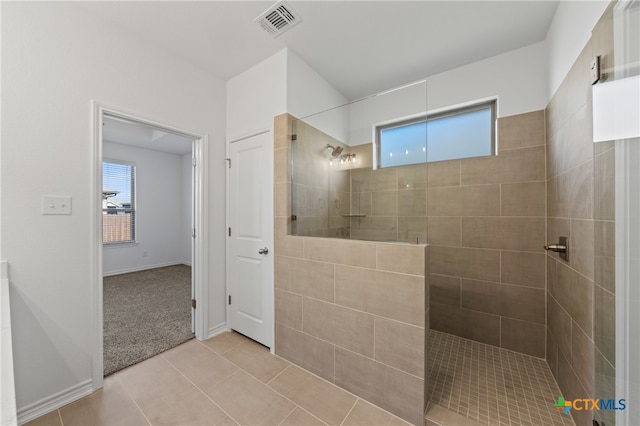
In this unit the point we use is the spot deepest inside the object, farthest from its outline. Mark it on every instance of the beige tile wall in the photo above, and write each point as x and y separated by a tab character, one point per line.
394	201
580	205
353	312
486	230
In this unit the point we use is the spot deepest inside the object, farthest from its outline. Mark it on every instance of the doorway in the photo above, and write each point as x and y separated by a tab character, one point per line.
150	182
147	217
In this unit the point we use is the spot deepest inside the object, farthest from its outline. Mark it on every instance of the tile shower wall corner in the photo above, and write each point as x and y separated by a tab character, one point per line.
355	313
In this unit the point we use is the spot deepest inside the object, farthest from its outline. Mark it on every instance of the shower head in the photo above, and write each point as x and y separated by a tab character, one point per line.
335	150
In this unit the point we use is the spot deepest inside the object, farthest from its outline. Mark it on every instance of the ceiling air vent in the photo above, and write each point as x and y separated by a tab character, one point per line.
278	19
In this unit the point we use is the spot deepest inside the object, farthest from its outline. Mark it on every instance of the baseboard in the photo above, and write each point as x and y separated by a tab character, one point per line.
142	268
218	329
55	401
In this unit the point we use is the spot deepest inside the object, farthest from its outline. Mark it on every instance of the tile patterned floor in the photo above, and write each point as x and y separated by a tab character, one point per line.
231	380
491	385
226	380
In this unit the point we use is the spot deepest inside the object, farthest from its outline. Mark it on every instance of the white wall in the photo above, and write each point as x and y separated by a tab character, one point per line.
160	202
400	103
567	36
518	78
56	59
281	83
255	96
309	93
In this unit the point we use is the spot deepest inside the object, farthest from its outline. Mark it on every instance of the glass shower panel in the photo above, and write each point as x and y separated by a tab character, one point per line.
310	186
320	180
338	188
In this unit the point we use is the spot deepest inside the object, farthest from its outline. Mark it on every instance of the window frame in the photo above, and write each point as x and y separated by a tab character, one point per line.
132	210
492	103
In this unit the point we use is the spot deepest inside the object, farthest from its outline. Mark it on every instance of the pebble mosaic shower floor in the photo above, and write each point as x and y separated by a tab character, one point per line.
491	385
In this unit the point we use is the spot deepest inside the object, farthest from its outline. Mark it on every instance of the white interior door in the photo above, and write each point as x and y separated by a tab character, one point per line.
250	286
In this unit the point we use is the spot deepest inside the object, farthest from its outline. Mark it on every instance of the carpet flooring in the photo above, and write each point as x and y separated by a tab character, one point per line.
145	313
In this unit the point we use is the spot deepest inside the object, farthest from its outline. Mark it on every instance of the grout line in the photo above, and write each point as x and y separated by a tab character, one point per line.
353	309
349	412
202	391
277	375
140	409
334	363
500	330
287	416
240	368
302	297
128	393
334	283
334	386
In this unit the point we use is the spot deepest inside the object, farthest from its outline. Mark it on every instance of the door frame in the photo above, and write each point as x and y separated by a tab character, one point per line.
627	240
200	241
270	294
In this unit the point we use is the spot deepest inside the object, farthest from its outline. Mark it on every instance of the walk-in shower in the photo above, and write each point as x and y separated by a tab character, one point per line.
520	314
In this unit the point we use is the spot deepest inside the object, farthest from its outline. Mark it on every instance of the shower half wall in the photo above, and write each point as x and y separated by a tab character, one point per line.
483	218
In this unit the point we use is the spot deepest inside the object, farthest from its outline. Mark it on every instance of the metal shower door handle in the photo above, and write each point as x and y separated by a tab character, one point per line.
263	251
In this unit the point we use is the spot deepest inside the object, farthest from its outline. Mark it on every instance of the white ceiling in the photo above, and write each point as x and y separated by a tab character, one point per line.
360	47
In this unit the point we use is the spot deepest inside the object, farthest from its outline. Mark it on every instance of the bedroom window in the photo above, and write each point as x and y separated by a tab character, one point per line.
118	202
456	133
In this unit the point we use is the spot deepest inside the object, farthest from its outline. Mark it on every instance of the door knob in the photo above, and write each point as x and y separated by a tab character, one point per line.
263	251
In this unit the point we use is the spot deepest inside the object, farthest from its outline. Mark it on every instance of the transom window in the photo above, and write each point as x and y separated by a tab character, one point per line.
118	202
453	134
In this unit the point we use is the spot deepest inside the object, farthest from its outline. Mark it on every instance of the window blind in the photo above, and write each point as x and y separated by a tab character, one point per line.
118	202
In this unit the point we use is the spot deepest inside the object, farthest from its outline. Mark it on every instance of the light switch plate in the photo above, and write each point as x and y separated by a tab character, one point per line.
55	204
